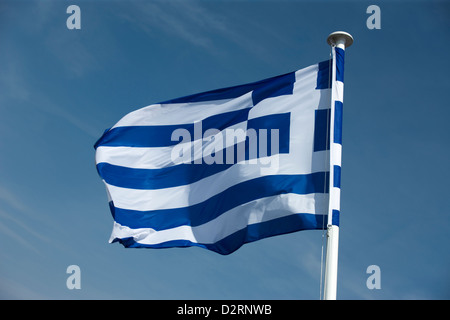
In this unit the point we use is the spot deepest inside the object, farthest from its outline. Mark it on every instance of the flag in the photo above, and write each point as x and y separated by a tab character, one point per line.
222	168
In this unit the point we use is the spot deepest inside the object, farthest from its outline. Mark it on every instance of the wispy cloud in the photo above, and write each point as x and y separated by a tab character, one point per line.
18	88
12	200
13	289
193	22
62	112
15	219
184	20
14	236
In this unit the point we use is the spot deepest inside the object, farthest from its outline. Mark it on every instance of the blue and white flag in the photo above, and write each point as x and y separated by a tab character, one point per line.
226	167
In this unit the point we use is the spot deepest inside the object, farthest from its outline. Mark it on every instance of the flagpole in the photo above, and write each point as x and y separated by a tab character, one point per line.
338	39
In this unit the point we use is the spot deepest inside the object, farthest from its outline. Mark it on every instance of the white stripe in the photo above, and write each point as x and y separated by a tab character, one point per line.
337	154
139	158
260	210
339	91
180	113
335	198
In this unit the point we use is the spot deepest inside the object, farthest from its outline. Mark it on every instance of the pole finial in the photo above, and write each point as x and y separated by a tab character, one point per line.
340	38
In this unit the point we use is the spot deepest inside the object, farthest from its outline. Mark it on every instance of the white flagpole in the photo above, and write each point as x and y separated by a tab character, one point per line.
340	40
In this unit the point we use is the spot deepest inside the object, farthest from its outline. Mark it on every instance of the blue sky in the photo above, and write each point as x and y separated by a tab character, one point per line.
60	89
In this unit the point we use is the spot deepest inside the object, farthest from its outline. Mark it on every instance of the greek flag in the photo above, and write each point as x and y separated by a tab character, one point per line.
225	167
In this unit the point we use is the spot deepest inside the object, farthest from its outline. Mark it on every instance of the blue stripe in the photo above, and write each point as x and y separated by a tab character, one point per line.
340	57
280	121
335	217
160	136
234	196
338	112
323	75
274	87
292	223
151	179
112	209
336	176
271	87
321	123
